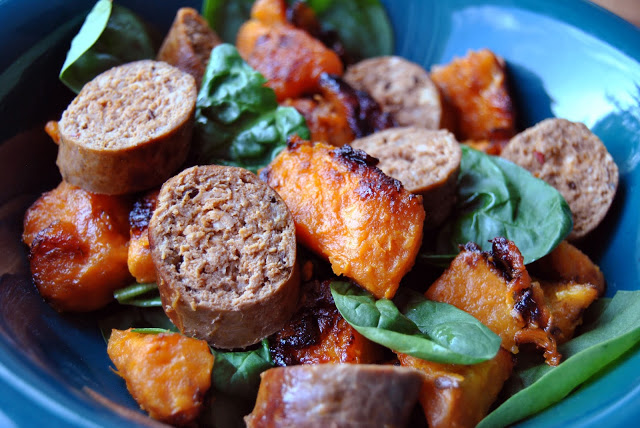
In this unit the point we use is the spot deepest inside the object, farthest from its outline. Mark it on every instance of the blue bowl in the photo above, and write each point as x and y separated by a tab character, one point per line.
567	59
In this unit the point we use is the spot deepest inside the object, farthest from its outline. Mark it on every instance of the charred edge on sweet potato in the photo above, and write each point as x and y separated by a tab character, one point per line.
142	212
476	281
363	113
358	161
317	333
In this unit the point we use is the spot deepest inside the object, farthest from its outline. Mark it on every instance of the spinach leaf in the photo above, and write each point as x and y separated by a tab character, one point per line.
125	317
362	25
238	121
499	198
238	373
151	330
226	16
614	331
422	328
111	35
143	295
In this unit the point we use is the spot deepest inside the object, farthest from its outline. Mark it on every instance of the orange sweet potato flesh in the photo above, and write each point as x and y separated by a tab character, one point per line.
167	374
567	302
568	263
348	211
496	288
317	333
78	247
326	121
139	258
456	395
289	58
475	89
570	282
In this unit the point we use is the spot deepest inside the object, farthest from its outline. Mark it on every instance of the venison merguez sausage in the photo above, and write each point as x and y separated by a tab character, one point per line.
402	88
129	129
224	247
336	395
571	158
426	162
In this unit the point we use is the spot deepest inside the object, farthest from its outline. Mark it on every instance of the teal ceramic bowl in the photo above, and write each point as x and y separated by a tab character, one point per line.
566	59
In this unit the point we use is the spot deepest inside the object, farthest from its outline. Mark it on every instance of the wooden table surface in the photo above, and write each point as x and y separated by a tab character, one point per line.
628	9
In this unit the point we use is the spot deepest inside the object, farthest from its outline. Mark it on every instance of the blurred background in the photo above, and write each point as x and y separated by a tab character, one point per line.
628	9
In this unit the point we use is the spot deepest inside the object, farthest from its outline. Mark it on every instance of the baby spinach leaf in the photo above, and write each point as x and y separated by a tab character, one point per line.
238	373
151	330
111	35
419	327
226	16
614	330
362	25
143	295
125	317
499	198
238	121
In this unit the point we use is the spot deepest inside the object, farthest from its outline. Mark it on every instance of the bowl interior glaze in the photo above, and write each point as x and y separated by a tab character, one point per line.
567	59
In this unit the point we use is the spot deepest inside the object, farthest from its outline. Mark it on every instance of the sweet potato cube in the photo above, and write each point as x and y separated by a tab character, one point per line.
326	123
496	288
318	334
167	374
289	58
139	258
475	87
455	395
566	302
78	247
365	223
567	263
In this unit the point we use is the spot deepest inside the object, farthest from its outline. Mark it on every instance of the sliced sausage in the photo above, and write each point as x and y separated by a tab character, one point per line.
573	160
336	395
427	162
128	129
401	87
188	43
224	247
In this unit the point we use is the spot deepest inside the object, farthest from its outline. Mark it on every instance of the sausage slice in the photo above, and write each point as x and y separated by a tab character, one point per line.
224	247
401	87
129	129
571	158
336	395
188	43
426	162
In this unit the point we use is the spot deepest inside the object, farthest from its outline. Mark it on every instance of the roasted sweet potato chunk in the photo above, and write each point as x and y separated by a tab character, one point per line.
570	282
78	247
339	113
475	87
139	255
167	374
568	263
326	123
345	209
567	302
289	58
496	288
455	395
318	334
